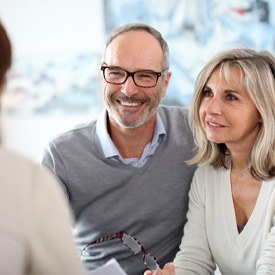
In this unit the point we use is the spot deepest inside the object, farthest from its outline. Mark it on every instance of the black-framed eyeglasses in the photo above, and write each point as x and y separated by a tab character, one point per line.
142	78
131	243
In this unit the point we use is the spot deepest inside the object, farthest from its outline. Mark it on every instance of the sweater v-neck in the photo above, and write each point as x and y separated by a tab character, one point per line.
246	235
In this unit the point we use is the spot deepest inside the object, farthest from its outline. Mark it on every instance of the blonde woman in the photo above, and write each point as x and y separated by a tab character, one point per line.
231	212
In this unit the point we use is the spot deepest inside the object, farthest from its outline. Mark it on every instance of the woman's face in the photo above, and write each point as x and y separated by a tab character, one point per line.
227	113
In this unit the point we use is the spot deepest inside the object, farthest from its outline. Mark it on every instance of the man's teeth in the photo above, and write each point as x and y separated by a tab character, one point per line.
125	103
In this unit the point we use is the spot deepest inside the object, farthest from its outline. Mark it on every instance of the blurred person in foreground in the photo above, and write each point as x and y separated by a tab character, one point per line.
125	173
35	224
231	216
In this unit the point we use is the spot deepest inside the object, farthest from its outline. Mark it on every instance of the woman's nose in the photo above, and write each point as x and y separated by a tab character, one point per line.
213	106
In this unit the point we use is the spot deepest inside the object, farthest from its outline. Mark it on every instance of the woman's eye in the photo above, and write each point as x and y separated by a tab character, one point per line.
207	93
232	97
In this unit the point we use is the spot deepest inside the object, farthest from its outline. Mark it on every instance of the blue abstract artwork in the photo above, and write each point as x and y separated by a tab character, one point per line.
194	30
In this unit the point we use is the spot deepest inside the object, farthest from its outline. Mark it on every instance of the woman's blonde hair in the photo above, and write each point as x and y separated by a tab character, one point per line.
258	75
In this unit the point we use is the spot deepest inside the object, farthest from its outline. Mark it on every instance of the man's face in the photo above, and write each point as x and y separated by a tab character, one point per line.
127	104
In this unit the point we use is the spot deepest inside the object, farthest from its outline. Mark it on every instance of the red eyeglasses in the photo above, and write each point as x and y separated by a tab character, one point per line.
132	243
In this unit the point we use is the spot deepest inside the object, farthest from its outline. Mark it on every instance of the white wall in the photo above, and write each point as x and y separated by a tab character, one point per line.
30	134
48	27
37	26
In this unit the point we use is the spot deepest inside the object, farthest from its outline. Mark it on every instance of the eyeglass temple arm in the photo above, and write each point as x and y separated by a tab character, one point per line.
116	235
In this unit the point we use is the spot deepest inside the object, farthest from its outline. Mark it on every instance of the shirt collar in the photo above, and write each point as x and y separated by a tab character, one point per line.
107	145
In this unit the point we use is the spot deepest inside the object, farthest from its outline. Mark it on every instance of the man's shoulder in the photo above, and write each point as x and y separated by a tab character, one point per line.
175	115
80	131
173	110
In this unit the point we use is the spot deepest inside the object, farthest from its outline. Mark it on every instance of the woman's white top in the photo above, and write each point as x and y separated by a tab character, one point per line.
211	235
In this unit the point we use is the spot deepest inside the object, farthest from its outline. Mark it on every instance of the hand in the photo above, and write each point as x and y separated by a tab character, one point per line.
168	269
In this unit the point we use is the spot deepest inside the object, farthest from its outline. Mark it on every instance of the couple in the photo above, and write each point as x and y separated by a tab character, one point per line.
127	171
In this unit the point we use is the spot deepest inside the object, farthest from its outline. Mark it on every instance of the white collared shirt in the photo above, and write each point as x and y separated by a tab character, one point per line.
110	151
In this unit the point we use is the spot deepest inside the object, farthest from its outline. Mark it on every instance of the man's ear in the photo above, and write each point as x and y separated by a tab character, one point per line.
166	83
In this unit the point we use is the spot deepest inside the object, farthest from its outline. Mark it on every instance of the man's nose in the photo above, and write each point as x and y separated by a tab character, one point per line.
129	88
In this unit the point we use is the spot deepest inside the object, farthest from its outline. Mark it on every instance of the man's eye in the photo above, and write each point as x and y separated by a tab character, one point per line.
146	76
115	73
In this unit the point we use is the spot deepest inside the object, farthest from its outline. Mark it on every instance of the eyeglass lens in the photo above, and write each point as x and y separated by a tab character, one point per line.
133	244
150	262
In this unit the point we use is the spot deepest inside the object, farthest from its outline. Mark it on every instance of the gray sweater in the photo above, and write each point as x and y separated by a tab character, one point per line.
149	202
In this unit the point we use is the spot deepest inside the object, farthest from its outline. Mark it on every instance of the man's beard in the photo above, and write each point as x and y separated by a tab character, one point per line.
149	108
